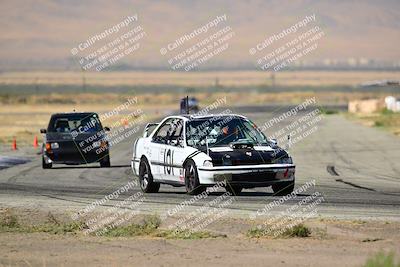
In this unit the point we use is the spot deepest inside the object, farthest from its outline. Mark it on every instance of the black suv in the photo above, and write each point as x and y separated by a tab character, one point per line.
75	138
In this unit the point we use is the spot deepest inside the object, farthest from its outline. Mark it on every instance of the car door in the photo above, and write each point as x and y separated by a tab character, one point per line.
174	153
157	149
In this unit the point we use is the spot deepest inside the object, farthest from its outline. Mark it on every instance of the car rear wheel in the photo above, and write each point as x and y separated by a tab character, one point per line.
234	189
105	162
192	183
146	178
283	188
46	165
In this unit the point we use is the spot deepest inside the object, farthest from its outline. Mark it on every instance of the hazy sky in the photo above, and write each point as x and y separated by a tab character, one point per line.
40	32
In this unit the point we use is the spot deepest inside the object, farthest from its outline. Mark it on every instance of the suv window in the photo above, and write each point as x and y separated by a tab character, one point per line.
84	123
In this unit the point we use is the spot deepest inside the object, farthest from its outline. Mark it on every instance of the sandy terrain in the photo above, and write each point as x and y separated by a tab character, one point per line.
332	243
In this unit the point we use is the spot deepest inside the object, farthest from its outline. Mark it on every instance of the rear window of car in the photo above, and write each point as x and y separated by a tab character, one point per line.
75	122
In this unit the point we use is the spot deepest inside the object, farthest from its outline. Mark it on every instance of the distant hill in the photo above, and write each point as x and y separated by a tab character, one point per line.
36	34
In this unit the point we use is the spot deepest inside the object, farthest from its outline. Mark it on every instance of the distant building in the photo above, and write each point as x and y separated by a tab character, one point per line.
365	106
380	83
392	103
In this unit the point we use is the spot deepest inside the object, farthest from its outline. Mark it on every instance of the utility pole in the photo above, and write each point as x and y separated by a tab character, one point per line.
273	79
83	81
36	86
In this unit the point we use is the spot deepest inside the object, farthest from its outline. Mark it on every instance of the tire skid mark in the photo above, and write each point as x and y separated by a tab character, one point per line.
355	185
14	178
350	165
331	170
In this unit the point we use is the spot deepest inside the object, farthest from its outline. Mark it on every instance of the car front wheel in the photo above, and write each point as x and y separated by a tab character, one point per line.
146	178
192	183
233	189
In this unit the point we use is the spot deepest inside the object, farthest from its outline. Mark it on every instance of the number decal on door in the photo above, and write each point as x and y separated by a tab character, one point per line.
168	161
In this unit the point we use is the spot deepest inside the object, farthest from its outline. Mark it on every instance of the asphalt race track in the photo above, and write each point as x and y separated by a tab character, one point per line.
356	169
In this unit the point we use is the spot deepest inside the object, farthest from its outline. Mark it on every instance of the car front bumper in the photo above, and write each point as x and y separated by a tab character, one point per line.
248	175
74	157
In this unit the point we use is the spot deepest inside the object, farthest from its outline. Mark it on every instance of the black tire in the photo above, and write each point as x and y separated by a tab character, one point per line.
105	162
283	188
146	178
46	165
235	190
192	183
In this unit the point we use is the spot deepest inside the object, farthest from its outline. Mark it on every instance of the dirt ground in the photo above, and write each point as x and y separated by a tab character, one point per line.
332	243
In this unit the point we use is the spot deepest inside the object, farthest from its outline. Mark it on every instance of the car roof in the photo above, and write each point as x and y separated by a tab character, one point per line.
68	114
192	117
72	113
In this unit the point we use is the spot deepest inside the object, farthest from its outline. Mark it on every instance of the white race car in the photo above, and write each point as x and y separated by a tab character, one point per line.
201	151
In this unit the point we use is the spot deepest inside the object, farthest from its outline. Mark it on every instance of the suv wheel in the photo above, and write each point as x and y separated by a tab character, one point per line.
105	162
283	188
46	165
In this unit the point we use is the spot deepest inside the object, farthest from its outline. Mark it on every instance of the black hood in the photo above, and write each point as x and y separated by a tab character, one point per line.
248	156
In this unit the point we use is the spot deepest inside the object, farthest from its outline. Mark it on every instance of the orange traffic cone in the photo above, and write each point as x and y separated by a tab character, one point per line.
35	142
14	144
125	122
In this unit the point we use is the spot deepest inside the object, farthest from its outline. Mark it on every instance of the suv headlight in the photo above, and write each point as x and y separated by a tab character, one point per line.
54	145
207	163
96	144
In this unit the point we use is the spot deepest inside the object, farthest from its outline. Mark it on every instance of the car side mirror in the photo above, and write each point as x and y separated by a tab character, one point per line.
159	139
181	143
107	129
43	131
274	141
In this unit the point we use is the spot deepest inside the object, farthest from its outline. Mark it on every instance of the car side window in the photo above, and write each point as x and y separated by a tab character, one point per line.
170	132
176	133
161	136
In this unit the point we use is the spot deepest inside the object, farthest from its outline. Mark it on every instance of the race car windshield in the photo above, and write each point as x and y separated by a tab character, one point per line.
221	131
83	123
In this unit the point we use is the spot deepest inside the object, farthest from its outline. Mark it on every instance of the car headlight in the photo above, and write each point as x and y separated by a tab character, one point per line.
207	163
226	160
54	145
287	160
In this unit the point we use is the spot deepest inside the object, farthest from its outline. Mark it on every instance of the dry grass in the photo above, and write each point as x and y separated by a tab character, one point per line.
299	230
385	119
23	116
24	121
225	78
99	101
